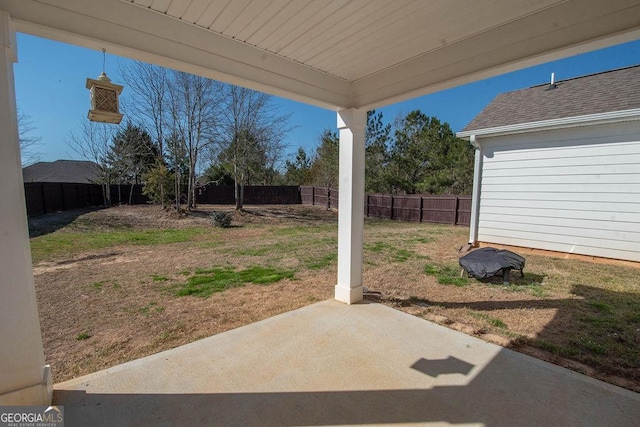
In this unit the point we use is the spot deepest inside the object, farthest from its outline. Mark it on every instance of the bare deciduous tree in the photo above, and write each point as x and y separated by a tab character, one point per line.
251	135
149	85
93	143
181	111
149	103
28	142
193	106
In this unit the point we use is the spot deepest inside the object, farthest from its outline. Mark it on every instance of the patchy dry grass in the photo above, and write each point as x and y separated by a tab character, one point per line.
108	283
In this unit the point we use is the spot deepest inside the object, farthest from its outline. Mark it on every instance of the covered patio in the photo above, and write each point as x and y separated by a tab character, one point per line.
347	56
333	364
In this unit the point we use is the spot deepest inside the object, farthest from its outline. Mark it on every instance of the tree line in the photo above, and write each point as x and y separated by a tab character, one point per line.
415	154
184	131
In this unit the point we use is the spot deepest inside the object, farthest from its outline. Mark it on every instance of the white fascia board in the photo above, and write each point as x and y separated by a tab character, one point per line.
145	35
552	124
554	33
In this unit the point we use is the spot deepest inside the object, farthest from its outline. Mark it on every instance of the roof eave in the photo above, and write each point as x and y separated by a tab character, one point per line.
552	124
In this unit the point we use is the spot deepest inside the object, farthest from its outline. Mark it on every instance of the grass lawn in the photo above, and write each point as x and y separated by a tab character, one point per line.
121	283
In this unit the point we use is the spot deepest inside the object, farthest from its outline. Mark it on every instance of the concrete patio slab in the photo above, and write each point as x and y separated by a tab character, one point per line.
334	364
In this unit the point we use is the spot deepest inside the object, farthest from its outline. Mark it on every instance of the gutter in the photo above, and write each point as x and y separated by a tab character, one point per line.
551	124
475	193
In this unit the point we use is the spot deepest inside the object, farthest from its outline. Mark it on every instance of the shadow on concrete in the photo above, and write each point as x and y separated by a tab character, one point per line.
499	395
598	328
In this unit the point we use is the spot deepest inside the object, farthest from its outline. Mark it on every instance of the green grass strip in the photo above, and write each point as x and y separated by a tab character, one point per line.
60	243
204	283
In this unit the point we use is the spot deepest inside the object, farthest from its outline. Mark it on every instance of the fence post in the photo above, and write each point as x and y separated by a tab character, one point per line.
366	201
313	196
328	198
421	206
391	213
455	215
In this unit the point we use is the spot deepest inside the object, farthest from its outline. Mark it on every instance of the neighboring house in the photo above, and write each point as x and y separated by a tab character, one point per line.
558	167
75	171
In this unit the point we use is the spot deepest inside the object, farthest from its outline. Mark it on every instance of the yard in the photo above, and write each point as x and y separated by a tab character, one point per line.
121	283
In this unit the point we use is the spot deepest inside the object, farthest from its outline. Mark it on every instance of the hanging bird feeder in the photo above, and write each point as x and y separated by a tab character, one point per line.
104	99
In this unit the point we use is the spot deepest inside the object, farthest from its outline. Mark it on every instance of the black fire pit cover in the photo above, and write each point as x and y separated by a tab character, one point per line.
487	262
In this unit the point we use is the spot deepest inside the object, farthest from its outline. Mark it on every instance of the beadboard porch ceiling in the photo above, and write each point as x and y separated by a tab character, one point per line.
335	53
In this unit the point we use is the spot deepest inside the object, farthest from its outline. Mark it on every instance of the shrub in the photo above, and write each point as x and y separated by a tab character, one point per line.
221	219
158	184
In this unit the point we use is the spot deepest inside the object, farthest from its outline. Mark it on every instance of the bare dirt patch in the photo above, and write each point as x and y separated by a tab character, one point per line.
104	306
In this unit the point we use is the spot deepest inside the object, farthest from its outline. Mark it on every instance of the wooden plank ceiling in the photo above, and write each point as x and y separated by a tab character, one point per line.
346	39
336	53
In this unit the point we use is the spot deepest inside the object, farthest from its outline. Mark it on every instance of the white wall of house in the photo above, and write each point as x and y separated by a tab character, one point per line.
574	190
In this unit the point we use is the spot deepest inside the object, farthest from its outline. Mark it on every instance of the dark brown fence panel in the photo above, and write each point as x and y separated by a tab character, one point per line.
272	195
215	195
320	197
120	194
91	194
70	196
440	209
379	205
333	199
306	194
52	195
34	199
49	197
464	210
406	208
253	195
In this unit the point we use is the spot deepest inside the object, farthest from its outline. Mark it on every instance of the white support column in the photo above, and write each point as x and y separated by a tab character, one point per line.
475	197
351	124
24	378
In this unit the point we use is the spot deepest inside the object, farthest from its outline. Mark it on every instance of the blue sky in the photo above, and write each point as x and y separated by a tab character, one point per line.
50	89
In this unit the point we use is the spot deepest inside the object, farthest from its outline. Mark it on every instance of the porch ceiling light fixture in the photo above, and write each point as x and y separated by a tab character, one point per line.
104	98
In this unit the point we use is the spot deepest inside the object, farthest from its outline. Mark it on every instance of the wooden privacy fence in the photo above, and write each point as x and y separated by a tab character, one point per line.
418	208
47	197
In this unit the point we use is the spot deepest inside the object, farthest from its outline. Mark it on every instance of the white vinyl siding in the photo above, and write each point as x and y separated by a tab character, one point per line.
573	190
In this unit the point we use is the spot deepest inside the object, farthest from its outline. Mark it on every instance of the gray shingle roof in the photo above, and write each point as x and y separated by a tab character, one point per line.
615	90
76	171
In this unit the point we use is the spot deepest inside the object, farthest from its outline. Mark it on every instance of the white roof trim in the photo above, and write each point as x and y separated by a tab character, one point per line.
565	122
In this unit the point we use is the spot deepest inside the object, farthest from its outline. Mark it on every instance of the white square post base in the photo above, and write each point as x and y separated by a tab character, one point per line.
348	295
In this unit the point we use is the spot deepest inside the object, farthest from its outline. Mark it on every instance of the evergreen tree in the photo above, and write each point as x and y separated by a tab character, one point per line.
427	157
298	172
132	153
409	156
325	168
218	174
158	183
377	135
